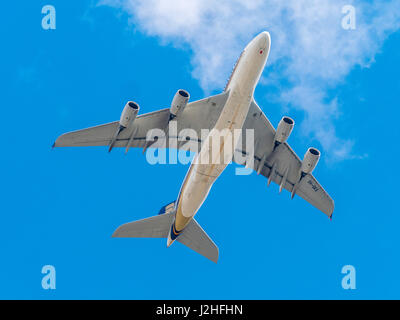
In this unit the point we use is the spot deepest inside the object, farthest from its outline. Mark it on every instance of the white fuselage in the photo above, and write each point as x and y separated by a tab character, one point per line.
203	173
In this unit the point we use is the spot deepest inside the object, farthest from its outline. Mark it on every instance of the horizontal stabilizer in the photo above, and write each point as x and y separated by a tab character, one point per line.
193	236
153	227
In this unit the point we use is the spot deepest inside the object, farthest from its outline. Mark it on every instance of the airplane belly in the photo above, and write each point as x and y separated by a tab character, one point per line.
218	148
212	160
196	192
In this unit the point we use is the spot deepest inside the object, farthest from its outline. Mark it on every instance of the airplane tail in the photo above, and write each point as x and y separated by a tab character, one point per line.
193	236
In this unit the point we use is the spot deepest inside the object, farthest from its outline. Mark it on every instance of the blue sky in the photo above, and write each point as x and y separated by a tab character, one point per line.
60	207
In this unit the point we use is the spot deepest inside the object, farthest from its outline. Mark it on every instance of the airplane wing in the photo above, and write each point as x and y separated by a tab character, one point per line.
203	114
282	166
197	115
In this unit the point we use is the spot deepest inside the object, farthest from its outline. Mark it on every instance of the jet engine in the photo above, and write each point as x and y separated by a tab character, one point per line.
284	130
310	160
179	102
129	114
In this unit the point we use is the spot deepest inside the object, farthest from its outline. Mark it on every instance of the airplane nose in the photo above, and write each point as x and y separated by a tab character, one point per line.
265	40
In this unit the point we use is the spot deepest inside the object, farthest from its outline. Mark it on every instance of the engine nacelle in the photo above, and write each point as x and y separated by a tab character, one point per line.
310	160
284	129
129	114
179	102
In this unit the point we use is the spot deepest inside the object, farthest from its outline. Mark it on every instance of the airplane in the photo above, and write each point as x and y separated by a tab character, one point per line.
233	109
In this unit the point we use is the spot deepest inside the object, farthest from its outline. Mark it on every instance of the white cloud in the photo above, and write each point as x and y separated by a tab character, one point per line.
311	53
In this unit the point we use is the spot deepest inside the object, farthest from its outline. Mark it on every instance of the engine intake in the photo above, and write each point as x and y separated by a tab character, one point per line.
179	102
284	130
129	114
310	160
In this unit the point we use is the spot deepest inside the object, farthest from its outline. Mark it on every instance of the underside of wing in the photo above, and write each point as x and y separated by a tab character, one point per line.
280	164
283	167
94	136
198	115
102	135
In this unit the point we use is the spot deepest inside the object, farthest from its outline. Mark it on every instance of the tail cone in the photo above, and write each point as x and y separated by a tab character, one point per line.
169	241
